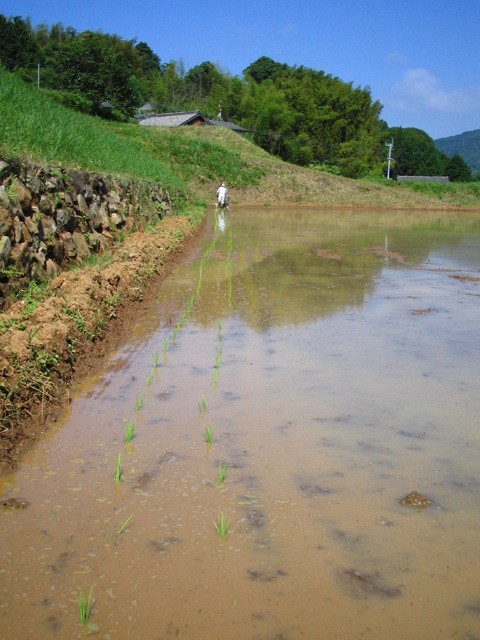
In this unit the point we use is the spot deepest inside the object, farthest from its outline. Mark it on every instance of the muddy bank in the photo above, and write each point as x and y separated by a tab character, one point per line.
52	336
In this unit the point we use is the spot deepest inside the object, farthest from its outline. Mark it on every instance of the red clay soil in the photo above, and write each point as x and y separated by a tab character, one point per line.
83	316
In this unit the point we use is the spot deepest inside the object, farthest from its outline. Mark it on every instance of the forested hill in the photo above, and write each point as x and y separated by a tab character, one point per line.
304	116
301	115
466	145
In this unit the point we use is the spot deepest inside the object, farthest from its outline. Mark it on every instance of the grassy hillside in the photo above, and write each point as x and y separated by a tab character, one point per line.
191	161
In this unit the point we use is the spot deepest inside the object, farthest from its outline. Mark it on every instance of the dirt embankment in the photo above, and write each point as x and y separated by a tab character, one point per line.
46	342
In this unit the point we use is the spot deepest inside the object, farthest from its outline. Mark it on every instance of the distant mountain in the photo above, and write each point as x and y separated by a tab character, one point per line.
467	145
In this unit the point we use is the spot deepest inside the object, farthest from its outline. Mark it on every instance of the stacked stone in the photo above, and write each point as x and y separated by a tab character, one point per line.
51	217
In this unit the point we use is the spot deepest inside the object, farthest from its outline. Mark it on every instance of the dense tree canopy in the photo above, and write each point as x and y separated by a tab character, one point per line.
303	115
18	48
415	154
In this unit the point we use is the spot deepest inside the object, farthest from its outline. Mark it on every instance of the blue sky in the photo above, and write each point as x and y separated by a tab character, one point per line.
420	58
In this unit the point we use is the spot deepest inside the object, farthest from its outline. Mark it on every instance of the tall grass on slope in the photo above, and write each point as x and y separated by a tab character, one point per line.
35	127
196	156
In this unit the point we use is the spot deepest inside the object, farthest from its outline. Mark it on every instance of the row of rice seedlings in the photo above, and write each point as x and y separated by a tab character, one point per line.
202	403
228	267
218	358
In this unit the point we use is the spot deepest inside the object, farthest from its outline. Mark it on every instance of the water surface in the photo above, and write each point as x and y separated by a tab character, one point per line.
334	355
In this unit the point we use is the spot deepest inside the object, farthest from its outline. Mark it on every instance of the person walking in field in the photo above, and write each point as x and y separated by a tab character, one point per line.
222	196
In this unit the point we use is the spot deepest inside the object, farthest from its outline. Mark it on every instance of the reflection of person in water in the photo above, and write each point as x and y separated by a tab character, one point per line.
221	221
222	196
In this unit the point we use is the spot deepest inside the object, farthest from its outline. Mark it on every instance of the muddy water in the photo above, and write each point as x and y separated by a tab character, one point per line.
334	355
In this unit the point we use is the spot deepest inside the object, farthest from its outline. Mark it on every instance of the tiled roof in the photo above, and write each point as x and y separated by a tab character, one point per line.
184	117
228	125
171	119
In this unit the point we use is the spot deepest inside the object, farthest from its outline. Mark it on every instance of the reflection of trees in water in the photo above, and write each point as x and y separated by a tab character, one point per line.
289	268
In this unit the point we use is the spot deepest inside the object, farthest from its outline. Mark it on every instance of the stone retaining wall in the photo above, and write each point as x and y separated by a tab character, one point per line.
51	217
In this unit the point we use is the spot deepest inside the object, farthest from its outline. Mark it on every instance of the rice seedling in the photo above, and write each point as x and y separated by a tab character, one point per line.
222	525
118	469
165	347
200	278
140	401
150	378
124	526
208	435
202	404
113	536
215	379
85	604
129	432
222	472
156	360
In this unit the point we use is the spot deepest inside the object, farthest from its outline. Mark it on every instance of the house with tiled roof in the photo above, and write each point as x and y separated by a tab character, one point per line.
185	118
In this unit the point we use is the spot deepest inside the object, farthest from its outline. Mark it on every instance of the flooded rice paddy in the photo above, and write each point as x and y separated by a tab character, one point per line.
333	357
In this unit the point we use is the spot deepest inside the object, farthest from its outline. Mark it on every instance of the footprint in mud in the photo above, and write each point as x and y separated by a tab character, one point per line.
284	427
413	434
256	518
359	584
473	608
265	576
312	489
143	480
52	623
347	540
169	457
61	562
14	504
163	545
370	447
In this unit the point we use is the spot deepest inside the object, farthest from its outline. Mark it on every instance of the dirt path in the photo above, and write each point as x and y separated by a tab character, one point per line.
45	342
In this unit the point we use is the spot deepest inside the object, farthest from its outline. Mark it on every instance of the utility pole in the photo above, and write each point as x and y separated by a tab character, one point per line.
38	75
390	148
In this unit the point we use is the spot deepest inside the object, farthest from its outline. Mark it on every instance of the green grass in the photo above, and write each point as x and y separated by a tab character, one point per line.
129	432
190	155
222	525
79	322
85	605
71	138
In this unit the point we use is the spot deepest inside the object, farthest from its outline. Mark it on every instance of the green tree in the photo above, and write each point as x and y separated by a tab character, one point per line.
458	170
264	69
101	68
149	60
18	49
415	153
